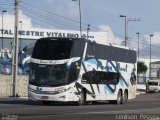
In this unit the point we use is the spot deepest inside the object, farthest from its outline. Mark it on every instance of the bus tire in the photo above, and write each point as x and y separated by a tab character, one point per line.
119	98
82	98
46	102
94	102
125	97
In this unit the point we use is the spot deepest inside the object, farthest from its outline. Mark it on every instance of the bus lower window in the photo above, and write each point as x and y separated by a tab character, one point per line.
100	77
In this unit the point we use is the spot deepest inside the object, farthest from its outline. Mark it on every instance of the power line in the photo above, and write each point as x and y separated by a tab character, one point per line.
60	21
51	13
63	21
47	19
120	36
93	28
84	24
144	43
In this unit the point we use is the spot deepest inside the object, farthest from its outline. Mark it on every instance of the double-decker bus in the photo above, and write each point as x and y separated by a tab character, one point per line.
80	70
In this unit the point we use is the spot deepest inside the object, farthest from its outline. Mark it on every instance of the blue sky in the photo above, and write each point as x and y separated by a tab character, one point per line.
102	14
106	12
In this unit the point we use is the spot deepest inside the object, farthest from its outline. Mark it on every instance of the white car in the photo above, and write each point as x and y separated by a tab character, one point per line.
153	86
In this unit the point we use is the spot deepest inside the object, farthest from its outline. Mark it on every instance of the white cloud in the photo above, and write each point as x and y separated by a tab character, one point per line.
73	9
110	36
26	21
104	28
144	45
67	8
156	38
9	20
22	15
144	42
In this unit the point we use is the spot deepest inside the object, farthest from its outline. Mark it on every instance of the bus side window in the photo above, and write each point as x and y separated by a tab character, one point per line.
101	77
73	73
85	76
88	77
107	78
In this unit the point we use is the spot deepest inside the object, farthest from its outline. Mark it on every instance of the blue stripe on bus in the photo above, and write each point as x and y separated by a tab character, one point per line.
116	69
107	87
93	61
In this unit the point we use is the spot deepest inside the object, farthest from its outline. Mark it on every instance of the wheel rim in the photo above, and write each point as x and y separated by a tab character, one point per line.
82	98
125	98
119	98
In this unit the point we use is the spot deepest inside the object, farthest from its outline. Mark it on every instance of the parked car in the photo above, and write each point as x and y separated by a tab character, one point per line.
7	70
6	67
153	86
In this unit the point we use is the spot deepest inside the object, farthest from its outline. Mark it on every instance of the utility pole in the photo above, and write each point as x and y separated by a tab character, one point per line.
15	51
131	19
20	42
80	17
126	26
3	11
150	54
88	28
138	45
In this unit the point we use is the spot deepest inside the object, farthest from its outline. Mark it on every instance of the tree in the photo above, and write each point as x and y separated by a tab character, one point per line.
141	67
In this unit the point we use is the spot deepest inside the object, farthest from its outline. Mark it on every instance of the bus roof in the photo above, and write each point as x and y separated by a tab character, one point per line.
80	39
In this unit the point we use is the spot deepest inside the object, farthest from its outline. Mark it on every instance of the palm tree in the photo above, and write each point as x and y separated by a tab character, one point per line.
141	68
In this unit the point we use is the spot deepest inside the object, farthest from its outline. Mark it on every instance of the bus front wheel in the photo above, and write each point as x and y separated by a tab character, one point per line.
82	98
46	102
125	97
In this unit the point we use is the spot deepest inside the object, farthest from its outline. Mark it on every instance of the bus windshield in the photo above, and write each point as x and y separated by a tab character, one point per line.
52	49
48	76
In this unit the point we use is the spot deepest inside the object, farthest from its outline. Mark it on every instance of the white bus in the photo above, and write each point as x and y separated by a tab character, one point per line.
80	70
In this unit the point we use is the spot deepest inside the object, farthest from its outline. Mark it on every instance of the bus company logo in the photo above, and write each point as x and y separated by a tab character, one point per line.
90	56
38	88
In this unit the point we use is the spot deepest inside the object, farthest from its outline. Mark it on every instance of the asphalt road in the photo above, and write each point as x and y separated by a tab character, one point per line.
144	107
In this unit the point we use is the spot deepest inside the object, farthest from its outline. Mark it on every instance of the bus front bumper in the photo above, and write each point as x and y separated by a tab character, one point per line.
62	97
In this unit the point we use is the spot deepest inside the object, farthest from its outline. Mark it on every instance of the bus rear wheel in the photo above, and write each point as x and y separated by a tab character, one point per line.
125	97
119	98
82	98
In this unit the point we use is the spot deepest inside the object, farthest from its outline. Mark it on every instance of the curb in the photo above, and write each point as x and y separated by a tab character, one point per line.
140	93
14	99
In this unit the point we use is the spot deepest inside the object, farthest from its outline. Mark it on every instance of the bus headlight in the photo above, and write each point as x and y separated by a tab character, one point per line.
61	90
56	91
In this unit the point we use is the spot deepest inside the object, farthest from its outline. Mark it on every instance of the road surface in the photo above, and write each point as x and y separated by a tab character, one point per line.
144	107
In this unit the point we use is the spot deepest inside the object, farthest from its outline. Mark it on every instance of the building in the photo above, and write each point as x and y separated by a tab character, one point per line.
29	34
